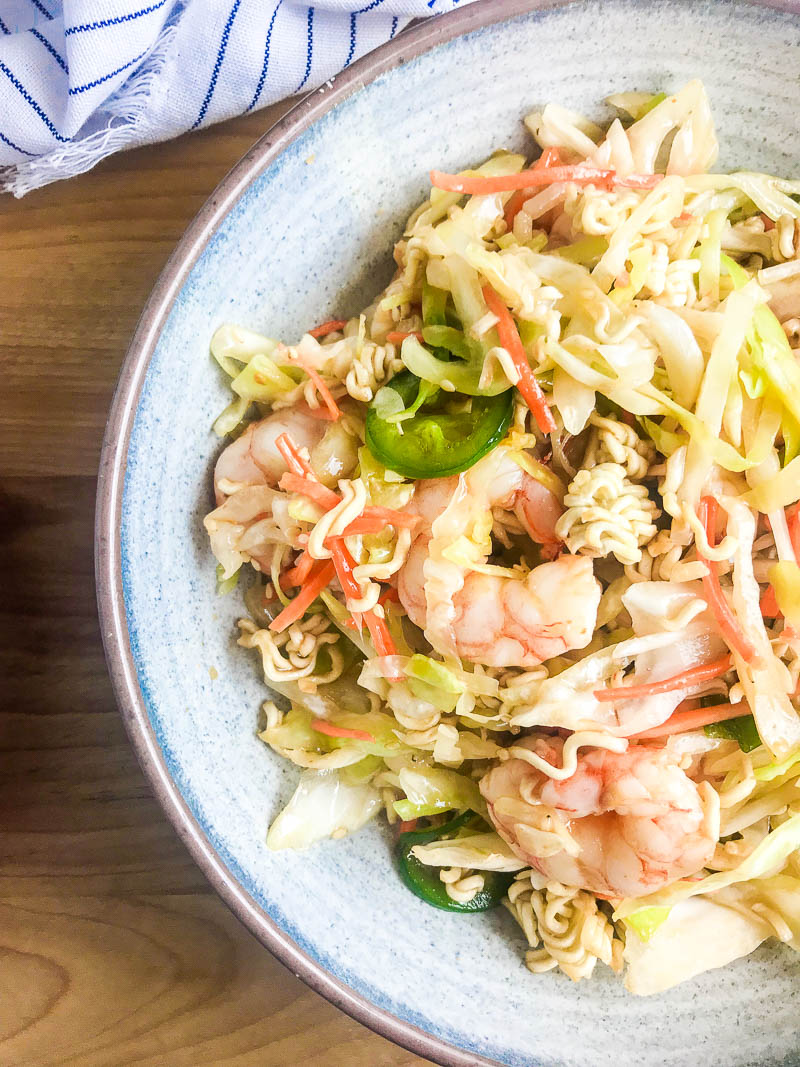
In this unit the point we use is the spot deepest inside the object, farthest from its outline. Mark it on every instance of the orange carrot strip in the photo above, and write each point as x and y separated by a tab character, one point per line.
514	206
793	522
388	595
407	826
296	609
320	414
331	326
704	673
510	340
396	337
323	727
316	491
297	574
549	158
693	719
726	620
392	517
381	638
379	631
479	185
344	563
292	457
769	604
319	385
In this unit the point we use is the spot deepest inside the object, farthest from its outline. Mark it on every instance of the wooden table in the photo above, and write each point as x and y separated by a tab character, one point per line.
113	949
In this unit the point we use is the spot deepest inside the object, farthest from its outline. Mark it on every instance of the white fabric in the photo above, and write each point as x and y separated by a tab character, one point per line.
80	79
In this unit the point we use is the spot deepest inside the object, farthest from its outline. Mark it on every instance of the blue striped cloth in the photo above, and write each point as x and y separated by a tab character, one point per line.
80	79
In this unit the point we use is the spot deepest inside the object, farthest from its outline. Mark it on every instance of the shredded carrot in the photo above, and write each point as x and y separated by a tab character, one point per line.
769	604
292	456
692	719
319	578
407	825
297	574
319	385
344	563
388	595
328	327
726	620
694	676
793	522
549	158
379	631
320	414
392	517
364	525
396	337
323	727
381	638
374	519
510	340
479	185
768	223
514	206
316	491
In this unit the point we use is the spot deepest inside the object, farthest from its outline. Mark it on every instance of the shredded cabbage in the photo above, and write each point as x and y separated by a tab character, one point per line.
323	805
262	379
431	790
697	935
433	682
232	344
479	852
679	349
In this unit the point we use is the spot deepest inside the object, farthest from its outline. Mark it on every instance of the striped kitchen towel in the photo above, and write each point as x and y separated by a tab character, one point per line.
80	79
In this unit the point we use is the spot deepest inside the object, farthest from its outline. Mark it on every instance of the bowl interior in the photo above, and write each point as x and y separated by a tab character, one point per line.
311	239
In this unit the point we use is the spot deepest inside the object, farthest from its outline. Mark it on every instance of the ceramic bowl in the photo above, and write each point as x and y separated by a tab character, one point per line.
302	231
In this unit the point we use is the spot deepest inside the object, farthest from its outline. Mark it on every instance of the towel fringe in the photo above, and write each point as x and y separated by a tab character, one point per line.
123	115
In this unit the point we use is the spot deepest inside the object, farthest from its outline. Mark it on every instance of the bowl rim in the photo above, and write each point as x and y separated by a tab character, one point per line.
111	482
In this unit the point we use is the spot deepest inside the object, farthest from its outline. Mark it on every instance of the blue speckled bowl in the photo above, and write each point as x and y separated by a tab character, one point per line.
301	231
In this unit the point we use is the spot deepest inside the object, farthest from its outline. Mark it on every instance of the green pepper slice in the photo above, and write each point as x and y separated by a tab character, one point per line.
447	434
742	730
424	881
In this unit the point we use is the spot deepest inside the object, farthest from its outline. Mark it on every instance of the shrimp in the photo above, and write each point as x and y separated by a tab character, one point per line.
624	824
251	517
509	622
254	459
495	619
496	482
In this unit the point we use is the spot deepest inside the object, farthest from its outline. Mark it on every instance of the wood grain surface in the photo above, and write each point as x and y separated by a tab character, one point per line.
113	949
